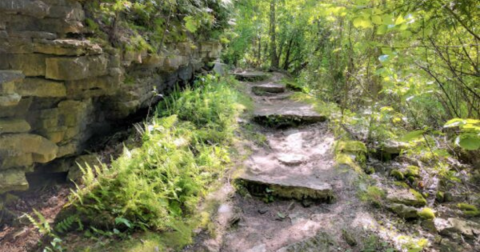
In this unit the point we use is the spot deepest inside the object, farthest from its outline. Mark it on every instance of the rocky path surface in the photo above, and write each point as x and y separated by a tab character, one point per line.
289	194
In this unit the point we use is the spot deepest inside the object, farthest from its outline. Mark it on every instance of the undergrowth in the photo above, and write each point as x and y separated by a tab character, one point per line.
159	185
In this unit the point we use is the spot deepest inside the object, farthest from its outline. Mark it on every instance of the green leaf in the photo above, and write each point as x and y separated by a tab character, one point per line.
469	142
120	220
191	24
454	123
412	135
377	20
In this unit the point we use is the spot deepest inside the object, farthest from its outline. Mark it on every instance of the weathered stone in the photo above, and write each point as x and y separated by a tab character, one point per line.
220	68
291	188
404	211
288	114
7	77
393	147
13	180
62	26
72	11
67	150
15	160
32	35
19	110
9	100
451	226
268	89
251	76
173	63
76	68
29	64
41	88
322	242
406	197
34	8
43	149
291	159
67	47
13	126
92	87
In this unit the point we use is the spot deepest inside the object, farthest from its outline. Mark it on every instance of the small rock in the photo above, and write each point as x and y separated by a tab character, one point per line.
291	159
263	211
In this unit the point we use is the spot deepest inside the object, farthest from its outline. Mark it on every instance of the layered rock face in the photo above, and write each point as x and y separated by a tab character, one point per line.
57	90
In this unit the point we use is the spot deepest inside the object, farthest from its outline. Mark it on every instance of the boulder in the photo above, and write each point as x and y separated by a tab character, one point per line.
404	211
452	226
76	68
13	180
407	197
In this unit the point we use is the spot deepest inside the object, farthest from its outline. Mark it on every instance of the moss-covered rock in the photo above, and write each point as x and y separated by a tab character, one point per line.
426	213
407	197
469	210
397	174
403	211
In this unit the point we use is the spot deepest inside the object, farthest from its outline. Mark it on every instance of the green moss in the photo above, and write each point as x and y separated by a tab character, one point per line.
412	171
440	197
353	147
346	159
397	174
401	184
426	213
419	197
373	195
369	170
469	210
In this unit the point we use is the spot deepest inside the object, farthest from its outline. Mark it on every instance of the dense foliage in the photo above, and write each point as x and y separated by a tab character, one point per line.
393	67
182	154
150	25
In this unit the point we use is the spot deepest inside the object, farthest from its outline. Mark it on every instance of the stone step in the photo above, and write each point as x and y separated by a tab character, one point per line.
268	89
251	76
286	187
287	114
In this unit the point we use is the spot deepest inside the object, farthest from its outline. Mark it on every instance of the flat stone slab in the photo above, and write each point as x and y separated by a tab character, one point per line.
290	187
251	76
286	114
291	159
268	89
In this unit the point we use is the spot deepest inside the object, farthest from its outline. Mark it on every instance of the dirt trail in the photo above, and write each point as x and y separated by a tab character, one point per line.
296	174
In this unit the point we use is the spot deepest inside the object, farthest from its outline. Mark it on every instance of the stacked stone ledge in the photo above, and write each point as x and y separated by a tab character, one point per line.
55	91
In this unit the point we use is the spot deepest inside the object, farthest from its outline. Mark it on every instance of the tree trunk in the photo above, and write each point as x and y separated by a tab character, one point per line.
273	36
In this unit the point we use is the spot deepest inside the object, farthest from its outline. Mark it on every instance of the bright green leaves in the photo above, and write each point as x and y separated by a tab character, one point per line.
191	24
362	23
413	135
469	137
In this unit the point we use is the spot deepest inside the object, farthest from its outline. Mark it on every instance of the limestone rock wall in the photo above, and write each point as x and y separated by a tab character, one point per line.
56	90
